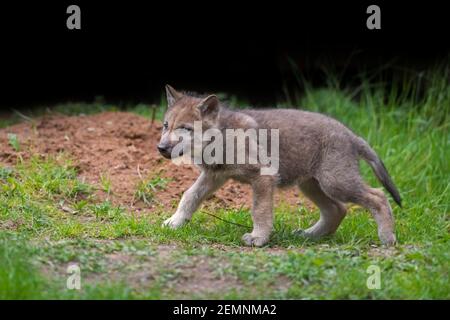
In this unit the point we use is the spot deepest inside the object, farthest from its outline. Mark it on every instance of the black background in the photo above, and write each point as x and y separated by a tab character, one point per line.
127	50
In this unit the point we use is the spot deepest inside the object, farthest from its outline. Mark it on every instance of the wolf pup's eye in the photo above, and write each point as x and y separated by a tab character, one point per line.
165	125
185	128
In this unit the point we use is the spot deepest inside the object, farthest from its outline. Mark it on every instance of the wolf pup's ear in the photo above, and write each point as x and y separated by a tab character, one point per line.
209	107
172	95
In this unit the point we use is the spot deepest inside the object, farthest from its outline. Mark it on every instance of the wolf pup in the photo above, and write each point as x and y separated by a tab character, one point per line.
317	153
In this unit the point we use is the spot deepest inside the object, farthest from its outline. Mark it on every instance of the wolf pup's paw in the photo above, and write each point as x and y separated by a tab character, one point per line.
256	241
388	239
305	234
174	222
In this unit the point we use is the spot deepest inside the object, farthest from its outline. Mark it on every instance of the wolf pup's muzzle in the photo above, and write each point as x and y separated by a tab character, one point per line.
166	151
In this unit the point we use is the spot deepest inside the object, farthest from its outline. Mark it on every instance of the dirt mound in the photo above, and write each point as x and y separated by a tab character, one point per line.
120	147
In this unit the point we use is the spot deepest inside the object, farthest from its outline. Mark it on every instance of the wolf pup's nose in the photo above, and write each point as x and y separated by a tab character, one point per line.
162	148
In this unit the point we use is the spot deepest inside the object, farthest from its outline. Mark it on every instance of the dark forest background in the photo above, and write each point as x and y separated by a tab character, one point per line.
126	51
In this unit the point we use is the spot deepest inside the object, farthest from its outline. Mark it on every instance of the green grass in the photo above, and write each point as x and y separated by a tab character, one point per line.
82	109
105	183
49	219
14	141
147	188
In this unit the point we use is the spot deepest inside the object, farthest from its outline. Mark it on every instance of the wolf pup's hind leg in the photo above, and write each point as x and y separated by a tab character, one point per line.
332	212
349	187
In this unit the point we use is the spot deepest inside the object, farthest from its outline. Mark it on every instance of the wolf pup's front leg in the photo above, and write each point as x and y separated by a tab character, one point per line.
262	212
204	186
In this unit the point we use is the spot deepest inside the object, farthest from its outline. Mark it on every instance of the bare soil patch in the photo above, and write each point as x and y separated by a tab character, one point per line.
115	144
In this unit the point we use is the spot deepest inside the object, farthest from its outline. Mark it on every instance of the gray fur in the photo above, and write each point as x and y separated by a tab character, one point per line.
317	153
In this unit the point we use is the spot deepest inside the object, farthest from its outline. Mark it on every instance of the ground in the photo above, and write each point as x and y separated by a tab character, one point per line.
91	190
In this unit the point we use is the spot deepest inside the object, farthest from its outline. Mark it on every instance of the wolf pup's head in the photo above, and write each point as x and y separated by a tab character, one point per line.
182	113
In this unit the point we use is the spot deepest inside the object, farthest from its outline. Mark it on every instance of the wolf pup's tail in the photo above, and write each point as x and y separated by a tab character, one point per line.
368	154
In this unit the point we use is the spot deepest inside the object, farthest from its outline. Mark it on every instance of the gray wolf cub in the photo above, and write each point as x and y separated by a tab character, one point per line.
315	152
